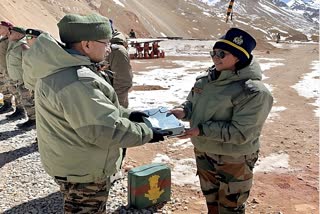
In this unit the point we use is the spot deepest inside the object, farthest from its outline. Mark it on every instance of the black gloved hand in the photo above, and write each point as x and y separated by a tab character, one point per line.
158	135
137	116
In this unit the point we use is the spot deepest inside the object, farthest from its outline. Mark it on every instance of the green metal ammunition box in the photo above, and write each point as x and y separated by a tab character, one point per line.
149	185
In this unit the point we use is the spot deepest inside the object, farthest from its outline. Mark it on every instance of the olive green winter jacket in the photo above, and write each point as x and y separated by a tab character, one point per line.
80	124
15	52
119	62
230	111
28	79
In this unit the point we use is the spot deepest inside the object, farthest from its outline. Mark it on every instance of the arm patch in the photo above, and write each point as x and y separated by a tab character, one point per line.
251	86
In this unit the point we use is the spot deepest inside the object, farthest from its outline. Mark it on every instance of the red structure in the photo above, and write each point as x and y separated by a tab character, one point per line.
147	50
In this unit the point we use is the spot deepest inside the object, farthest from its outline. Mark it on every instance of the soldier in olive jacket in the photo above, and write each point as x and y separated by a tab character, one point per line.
119	64
81	127
227	108
4	78
16	49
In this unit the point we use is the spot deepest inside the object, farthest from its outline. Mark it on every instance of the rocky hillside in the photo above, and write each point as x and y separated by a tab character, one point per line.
190	19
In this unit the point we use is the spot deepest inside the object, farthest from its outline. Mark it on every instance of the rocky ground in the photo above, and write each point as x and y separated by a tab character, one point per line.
26	188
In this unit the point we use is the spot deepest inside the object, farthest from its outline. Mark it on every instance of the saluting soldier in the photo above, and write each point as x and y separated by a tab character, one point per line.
4	78
16	49
31	38
17	45
29	81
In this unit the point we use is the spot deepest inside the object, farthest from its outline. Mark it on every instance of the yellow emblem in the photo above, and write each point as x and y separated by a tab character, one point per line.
154	192
238	40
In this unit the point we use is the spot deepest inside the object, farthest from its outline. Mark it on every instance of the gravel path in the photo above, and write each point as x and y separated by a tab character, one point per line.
26	188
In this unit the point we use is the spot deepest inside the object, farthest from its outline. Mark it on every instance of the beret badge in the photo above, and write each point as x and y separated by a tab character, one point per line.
238	40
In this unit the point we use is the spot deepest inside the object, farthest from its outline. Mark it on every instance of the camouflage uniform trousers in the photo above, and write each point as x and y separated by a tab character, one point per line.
225	181
27	101
85	197
13	88
4	86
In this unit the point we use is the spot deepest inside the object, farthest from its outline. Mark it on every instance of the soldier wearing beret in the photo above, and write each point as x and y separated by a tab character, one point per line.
16	48
227	108
31	38
24	99
32	35
4	78
81	127
27	97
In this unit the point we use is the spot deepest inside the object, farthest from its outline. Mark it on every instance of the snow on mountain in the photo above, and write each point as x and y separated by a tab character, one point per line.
293	3
209	2
269	16
309	9
189	19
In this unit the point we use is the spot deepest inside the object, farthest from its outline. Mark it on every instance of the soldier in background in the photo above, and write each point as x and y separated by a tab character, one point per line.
119	64
4	78
132	34
16	49
29	81
278	37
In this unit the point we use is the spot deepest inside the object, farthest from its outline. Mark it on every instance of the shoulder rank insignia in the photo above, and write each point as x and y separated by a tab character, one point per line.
251	86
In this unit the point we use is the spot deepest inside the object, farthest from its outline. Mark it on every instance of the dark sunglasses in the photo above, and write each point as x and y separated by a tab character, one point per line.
219	53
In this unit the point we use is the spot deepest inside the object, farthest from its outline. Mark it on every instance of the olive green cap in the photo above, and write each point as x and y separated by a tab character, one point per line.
75	28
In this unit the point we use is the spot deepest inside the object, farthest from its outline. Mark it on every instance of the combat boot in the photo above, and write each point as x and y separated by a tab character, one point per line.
19	113
27	125
7	106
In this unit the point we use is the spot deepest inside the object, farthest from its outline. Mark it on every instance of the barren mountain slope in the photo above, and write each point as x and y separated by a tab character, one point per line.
189	19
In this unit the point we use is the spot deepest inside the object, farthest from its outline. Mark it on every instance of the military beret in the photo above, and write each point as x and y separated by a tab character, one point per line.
19	30
75	28
6	24
238	42
33	32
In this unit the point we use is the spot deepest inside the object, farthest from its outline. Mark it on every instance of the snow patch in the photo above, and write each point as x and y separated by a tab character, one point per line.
273	163
309	87
274	114
183	171
118	3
